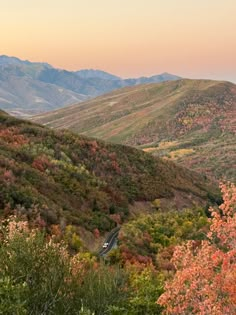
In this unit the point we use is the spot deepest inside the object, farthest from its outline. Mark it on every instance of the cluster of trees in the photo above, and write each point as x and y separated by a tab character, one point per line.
150	237
205	278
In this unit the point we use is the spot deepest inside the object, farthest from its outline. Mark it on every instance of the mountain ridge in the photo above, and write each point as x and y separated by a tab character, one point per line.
40	84
189	121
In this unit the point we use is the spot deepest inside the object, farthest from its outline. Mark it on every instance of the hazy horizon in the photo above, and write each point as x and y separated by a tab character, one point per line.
139	38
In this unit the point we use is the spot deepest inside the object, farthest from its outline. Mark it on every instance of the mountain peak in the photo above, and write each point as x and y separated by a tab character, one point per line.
10	60
95	73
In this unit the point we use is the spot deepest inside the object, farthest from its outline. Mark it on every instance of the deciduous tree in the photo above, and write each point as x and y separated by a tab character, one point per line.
205	278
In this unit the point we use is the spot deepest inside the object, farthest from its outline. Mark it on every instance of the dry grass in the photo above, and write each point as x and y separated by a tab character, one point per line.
186	120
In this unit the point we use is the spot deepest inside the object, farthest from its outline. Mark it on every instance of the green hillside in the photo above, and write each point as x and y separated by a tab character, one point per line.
62	178
190	121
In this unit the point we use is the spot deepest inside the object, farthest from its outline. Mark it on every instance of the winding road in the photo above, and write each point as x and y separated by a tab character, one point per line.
111	240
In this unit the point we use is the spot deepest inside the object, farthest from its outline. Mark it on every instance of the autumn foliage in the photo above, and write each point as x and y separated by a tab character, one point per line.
81	181
11	136
205	278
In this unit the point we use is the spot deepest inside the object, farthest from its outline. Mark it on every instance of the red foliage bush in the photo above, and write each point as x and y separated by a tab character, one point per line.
11	136
96	233
41	163
205	278
8	176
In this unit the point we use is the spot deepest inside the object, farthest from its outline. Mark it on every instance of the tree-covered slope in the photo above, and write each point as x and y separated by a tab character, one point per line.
64	178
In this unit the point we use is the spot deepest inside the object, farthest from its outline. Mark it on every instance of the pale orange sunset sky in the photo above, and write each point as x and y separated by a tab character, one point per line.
191	38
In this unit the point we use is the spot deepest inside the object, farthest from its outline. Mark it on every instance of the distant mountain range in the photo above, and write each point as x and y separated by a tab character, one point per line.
192	122
28	88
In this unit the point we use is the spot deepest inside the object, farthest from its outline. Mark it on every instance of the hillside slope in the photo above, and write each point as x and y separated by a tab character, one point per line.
190	121
69	179
23	96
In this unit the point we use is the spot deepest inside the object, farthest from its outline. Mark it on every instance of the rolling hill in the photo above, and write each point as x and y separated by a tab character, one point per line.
28	88
58	177
190	121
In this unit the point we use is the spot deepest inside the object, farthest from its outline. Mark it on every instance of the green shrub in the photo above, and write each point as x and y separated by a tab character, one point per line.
12	297
38	273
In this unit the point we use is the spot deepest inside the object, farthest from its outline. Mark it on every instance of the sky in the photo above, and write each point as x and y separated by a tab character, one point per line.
129	38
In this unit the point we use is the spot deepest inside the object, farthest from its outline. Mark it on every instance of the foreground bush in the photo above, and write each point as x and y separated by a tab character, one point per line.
36	271
37	276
